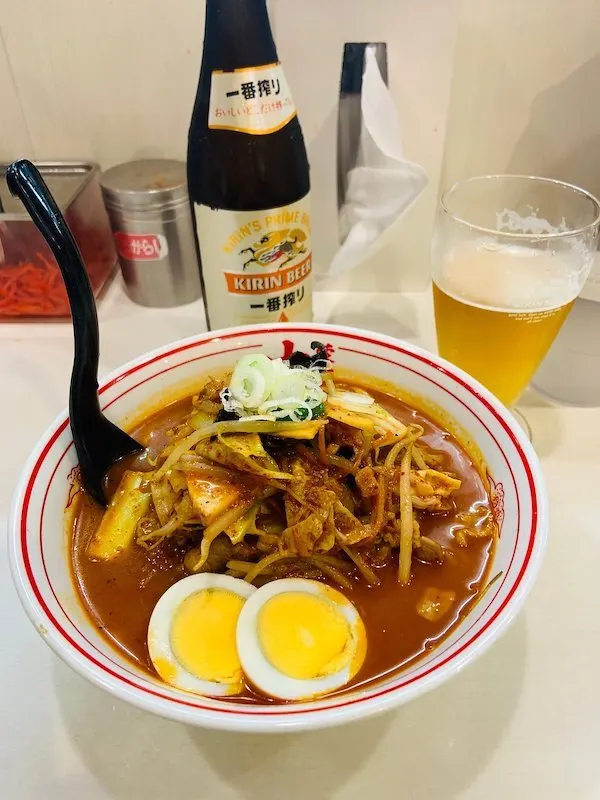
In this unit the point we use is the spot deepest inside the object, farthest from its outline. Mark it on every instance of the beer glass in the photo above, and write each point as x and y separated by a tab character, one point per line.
510	254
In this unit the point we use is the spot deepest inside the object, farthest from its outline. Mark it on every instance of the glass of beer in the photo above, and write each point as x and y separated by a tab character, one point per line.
510	254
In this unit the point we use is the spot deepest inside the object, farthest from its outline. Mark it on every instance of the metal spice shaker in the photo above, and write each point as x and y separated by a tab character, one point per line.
149	210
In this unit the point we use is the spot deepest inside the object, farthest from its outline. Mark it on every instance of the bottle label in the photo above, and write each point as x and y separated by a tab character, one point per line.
252	100
257	265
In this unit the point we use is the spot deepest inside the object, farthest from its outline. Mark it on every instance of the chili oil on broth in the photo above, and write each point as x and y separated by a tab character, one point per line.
390	607
397	635
137	579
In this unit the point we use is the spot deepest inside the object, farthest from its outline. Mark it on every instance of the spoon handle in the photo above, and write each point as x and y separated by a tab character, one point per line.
25	182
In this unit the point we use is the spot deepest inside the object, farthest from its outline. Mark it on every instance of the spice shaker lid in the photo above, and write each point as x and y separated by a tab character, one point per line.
147	183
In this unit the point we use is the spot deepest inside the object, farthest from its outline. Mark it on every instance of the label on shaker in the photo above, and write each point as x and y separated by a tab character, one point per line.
253	100
141	246
257	265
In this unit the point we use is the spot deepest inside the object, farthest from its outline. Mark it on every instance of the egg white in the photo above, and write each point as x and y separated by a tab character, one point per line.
159	629
267	678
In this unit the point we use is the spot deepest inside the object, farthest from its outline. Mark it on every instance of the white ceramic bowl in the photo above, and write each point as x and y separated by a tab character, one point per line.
39	552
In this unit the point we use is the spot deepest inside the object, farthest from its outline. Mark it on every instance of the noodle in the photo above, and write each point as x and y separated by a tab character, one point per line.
379	508
210	534
336	575
418	458
333	561
343	464
339	495
364	569
406	519
322	451
265	562
386	440
393	455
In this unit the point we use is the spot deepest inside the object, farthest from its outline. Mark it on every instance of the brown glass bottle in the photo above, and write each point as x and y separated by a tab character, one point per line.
248	174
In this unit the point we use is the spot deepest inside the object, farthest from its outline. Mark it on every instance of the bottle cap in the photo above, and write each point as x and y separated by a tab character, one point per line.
147	184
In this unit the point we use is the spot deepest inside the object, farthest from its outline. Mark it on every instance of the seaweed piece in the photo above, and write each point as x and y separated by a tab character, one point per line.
226	416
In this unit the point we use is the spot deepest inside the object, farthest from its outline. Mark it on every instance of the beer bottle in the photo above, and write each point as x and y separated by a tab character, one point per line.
248	175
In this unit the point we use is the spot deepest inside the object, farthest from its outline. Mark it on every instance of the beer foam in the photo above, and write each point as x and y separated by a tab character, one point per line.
512	277
512	222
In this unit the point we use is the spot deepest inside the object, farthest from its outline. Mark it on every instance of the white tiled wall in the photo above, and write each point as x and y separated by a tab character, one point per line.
420	38
107	80
526	89
480	86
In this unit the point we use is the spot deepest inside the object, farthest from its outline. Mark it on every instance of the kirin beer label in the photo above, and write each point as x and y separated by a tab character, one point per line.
257	265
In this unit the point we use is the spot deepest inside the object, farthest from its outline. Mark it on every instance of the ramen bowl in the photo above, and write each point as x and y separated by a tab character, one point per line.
39	544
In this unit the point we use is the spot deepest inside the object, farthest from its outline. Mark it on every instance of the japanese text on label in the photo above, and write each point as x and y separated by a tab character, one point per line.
254	100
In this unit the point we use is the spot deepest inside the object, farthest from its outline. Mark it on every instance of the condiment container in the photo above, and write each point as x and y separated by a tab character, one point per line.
148	205
30	281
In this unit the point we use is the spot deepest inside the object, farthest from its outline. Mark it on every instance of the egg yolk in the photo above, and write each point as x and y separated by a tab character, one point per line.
203	635
303	636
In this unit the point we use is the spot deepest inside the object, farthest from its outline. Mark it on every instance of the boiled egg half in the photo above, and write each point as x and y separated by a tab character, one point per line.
298	639
192	634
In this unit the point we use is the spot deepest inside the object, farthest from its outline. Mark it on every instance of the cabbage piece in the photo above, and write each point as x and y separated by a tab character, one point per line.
478	523
177	481
286	430
238	530
197	557
366	482
220	553
222	454
190	462
163	499
179	448
200	420
434	603
351	418
294	509
351	530
300	430
433	503
428	550
246	444
369	418
314	496
327	540
117	528
301	537
212	497
148	535
309	509
427	482
355	398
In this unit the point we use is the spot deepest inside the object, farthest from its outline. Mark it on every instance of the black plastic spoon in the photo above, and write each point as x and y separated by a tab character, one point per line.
99	443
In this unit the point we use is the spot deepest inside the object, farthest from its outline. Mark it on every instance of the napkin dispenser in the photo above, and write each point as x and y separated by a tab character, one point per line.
377	184
350	119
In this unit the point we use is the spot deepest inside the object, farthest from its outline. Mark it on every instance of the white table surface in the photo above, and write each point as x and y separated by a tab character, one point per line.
522	722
